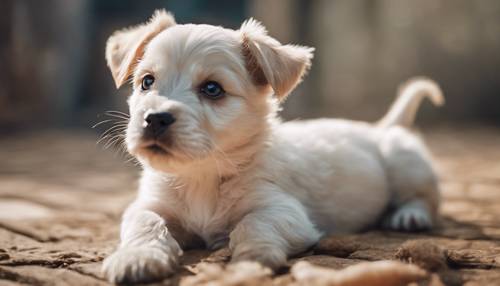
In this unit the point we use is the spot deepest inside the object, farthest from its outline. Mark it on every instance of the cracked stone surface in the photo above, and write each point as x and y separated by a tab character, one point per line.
61	197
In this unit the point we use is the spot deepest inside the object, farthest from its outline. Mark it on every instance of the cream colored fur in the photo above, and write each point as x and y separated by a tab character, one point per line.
233	174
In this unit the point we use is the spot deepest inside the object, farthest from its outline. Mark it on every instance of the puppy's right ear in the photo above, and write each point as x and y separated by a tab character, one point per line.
126	47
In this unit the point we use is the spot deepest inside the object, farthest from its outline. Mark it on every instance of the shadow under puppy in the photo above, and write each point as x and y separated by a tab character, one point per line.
219	166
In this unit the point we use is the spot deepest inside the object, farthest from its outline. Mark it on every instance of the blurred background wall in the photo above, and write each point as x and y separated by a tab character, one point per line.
53	72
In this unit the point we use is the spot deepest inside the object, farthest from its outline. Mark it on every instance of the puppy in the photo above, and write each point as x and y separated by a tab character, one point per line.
219	168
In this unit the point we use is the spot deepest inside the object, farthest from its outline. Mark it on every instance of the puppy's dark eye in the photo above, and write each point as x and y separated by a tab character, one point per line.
212	90
147	82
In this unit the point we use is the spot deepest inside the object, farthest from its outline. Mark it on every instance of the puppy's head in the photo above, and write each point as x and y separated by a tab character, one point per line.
200	90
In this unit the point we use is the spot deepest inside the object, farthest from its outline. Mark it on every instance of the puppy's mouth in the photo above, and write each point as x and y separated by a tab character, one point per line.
155	148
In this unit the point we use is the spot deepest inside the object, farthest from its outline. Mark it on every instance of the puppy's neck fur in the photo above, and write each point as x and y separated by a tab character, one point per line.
221	165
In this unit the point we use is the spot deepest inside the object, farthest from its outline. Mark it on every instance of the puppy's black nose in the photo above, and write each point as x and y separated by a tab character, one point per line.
157	123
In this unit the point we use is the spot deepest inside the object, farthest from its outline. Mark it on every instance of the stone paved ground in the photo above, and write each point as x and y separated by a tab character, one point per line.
61	197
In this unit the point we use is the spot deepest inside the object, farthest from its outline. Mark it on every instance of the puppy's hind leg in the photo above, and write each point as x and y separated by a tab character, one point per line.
412	216
413	182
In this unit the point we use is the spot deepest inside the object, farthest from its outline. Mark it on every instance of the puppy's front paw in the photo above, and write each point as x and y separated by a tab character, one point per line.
272	257
139	264
412	216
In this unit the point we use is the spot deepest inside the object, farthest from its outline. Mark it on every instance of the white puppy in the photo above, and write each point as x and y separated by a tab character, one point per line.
220	168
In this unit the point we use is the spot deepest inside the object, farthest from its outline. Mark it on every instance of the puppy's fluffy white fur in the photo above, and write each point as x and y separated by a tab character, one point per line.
231	173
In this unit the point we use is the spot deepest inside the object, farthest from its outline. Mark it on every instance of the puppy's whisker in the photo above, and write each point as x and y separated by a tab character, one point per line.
107	139
119	122
113	122
114	140
125	119
114	129
115	135
133	161
102	122
117	115
116	112
109	136
118	125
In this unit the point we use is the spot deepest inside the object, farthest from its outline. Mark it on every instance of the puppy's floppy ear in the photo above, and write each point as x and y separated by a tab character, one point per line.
125	47
269	62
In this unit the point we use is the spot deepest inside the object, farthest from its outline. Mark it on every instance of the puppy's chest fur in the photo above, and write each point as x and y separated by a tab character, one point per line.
200	212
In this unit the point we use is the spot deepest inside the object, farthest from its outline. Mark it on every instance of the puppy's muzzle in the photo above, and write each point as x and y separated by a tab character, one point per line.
157	123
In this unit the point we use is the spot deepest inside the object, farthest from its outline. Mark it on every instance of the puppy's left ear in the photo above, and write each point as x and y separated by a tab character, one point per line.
271	63
126	47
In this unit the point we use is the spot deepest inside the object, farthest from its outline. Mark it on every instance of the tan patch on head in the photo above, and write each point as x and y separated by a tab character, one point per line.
252	64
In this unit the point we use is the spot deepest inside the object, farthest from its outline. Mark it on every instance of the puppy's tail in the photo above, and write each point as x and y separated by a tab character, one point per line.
411	93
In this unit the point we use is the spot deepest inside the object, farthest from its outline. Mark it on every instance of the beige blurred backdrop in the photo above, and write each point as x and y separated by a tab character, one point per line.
53	73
